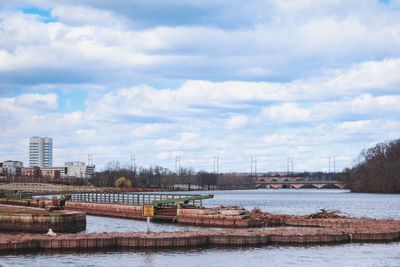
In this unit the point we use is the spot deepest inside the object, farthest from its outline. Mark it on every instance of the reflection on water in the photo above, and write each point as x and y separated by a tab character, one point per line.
97	224
338	255
278	201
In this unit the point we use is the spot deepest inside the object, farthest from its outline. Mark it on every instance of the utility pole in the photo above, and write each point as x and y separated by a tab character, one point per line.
90	159
292	165
133	163
289	165
253	163
329	168
178	164
216	164
255	166
334	164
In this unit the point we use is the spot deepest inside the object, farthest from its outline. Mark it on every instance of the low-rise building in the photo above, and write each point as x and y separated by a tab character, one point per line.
32	172
12	168
79	169
74	169
53	172
90	169
2	171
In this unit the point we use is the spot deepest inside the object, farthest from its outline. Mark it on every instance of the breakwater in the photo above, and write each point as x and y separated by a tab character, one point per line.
368	231
24	219
230	217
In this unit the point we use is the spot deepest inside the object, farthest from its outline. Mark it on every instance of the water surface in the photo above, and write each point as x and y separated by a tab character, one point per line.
305	201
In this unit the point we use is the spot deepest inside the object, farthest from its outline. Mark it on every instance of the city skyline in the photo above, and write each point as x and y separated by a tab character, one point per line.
269	79
41	155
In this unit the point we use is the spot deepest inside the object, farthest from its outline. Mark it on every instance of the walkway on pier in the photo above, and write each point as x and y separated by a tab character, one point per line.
139	199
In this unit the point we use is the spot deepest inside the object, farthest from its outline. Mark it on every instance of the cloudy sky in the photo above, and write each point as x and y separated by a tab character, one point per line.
274	79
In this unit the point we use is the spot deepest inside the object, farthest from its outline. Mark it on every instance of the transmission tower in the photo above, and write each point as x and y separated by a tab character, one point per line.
253	166
178	164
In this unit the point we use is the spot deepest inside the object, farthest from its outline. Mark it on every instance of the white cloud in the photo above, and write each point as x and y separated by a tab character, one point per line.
300	78
80	15
37	101
236	121
349	127
186	140
291	46
286	113
364	105
86	135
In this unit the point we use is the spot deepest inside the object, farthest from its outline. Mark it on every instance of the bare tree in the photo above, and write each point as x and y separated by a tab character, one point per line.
377	169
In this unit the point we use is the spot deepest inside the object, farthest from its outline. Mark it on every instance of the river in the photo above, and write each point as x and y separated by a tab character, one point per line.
290	201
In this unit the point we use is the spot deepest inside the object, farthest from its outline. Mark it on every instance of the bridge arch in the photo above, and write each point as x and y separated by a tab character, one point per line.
330	186
310	186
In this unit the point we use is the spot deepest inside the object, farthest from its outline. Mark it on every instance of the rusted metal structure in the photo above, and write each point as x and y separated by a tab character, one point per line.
139	199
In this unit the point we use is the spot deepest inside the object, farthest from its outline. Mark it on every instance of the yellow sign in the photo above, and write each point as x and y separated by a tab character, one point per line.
148	210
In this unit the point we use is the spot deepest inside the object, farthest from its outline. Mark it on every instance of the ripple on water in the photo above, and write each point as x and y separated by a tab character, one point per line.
278	201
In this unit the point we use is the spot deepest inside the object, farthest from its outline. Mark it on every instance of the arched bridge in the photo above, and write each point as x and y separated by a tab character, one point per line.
297	182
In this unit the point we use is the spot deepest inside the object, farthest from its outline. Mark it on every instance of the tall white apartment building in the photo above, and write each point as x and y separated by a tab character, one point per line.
40	151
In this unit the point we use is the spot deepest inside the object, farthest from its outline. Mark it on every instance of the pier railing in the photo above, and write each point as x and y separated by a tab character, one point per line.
130	198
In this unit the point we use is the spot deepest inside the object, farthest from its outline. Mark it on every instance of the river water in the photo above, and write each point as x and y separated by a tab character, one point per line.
289	201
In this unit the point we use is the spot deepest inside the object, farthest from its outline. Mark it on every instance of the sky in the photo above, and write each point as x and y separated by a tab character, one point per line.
271	79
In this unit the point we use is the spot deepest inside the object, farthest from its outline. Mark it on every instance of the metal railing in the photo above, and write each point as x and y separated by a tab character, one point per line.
128	198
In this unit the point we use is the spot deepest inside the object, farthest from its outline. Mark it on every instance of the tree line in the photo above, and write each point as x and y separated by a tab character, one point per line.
160	177
377	170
